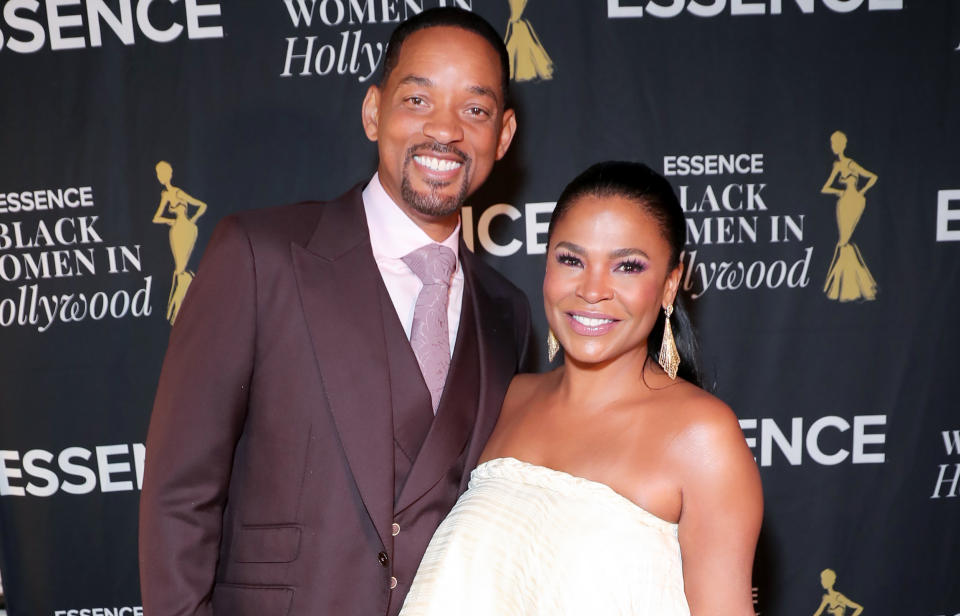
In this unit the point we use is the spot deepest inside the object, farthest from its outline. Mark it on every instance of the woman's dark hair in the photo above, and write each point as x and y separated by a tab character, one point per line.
450	17
650	191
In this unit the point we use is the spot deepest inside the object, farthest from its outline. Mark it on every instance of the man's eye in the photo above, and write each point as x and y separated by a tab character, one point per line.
416	101
477	111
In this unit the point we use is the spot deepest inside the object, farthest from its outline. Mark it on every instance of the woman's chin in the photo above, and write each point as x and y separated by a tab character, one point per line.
591	358
599	355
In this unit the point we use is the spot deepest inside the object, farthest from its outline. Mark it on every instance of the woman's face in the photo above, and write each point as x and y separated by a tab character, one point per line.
164	173
838	143
608	275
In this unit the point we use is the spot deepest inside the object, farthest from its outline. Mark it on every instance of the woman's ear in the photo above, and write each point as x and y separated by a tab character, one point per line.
672	285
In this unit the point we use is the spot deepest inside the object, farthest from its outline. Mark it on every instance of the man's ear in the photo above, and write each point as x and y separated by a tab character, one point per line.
370	113
508	128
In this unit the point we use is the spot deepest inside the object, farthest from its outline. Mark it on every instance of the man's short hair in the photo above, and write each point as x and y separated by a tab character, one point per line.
450	17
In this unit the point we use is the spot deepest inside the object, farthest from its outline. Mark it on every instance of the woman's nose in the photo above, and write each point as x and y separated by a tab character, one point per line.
595	286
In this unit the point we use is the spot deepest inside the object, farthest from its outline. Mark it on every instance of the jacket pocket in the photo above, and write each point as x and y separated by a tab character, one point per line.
242	599
266	544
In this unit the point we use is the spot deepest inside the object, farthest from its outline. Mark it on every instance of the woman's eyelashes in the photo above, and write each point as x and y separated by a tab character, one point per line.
565	258
631	266
628	266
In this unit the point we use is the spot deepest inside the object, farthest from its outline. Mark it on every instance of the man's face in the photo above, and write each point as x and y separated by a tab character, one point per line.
438	121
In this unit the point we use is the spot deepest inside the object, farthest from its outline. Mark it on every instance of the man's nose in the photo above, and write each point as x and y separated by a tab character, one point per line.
443	126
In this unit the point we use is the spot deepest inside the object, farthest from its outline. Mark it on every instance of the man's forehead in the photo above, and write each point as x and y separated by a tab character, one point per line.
438	41
449	40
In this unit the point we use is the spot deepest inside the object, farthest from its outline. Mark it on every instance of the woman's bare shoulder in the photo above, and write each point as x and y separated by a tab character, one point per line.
525	387
706	427
528	383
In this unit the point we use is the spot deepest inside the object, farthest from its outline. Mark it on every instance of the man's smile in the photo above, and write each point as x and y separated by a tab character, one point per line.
437	164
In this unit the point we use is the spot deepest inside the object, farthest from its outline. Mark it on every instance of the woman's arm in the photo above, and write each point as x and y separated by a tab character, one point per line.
871	177
721	511
201	206
828	188
158	217
853	605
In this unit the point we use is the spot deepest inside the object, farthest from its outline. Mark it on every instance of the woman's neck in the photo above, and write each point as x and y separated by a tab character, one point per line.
605	382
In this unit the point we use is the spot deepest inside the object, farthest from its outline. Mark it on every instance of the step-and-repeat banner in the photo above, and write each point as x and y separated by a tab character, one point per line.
813	145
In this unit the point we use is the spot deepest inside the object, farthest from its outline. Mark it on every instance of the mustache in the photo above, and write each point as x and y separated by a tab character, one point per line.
437	148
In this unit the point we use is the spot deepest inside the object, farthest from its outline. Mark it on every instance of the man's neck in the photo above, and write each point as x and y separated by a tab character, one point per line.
438	228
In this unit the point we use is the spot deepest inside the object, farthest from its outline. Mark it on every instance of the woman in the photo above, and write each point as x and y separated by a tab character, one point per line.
609	486
834	602
848	278
183	234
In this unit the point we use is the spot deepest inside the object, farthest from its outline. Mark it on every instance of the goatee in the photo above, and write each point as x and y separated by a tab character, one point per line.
434	203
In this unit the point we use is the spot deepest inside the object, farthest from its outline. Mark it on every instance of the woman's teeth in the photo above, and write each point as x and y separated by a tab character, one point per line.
590	322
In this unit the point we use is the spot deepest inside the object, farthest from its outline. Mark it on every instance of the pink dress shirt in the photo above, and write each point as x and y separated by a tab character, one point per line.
392	235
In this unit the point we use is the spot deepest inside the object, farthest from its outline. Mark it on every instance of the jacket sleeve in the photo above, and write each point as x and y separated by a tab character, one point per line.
197	419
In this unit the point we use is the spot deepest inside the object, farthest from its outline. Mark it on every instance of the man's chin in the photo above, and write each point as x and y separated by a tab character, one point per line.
434	205
437	202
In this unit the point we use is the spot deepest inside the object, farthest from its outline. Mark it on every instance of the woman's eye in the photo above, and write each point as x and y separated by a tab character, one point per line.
565	259
631	267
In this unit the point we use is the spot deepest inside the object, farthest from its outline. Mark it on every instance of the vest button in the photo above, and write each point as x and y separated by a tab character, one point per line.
384	559
393	583
395	529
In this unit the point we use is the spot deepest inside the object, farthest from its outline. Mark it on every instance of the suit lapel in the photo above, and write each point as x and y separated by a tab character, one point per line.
481	353
339	283
498	359
451	427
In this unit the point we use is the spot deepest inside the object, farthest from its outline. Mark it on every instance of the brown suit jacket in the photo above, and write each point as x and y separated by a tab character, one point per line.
269	485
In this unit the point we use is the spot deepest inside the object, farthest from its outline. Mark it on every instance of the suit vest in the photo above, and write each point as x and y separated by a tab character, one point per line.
416	431
413	415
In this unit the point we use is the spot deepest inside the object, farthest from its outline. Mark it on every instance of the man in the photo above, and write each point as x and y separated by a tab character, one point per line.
330	382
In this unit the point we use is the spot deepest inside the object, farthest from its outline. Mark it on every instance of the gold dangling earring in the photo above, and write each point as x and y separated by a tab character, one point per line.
553	345
669	358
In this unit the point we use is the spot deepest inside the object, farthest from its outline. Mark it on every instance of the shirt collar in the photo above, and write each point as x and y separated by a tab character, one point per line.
392	233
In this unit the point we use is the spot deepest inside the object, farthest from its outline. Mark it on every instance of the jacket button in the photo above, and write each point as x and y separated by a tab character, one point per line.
393	583
395	529
384	559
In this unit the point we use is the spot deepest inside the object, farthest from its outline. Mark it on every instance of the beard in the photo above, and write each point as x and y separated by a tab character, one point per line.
434	203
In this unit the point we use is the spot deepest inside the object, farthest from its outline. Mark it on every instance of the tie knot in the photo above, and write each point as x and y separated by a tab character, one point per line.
433	264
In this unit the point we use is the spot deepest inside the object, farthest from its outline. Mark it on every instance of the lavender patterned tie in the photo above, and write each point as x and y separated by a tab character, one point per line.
430	337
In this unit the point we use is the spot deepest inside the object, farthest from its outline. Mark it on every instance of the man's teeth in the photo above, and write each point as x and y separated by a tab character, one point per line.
437	164
590	322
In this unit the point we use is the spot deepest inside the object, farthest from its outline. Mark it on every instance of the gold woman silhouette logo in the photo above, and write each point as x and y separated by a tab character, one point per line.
848	278
174	211
528	58
834	602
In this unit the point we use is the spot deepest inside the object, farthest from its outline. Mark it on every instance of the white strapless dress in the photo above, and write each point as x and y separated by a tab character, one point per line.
529	540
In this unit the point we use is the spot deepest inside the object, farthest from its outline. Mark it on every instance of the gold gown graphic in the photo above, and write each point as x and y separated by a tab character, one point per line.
848	278
528	58
174	211
834	602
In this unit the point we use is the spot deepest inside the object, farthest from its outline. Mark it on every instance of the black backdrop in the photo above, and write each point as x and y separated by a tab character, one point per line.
849	406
